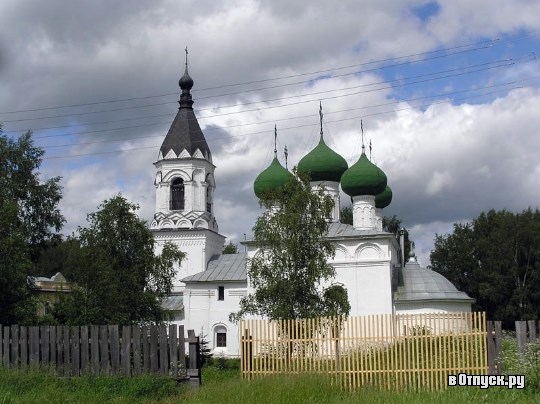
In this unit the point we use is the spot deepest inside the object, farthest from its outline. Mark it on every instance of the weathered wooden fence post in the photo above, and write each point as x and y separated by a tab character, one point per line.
521	336
531	324
494	337
194	369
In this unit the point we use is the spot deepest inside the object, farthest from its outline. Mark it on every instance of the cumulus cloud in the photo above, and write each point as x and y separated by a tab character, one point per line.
446	159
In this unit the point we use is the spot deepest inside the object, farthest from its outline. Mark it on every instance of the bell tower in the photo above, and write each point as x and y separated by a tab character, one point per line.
185	185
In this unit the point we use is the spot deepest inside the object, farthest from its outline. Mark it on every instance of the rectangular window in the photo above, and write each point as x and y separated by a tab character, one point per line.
221	293
221	339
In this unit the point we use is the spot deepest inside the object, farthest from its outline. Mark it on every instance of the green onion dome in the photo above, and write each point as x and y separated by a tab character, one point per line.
323	164
273	178
383	199
363	178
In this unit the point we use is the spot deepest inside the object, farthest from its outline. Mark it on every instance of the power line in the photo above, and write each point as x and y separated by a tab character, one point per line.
485	44
265	131
284	119
497	63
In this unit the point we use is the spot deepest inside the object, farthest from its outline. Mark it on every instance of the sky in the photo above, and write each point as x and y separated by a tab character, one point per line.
448	93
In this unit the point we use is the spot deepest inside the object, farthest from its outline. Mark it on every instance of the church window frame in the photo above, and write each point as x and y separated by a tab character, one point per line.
177	201
221	293
220	336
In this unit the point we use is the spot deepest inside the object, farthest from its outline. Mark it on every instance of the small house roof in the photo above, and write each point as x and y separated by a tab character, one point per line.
222	268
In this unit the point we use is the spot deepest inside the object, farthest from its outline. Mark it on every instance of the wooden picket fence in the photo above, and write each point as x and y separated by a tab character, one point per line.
526	333
103	349
401	351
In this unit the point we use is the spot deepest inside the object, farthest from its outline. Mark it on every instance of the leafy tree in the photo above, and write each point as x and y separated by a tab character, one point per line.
496	260
120	279
58	255
29	217
292	261
230	248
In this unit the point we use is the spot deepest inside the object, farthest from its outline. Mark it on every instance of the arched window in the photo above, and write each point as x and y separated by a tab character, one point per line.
177	194
208	203
220	337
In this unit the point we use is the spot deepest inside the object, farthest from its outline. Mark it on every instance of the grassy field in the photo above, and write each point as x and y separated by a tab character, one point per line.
222	386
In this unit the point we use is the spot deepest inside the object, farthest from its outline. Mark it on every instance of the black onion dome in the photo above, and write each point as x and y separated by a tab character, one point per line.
186	82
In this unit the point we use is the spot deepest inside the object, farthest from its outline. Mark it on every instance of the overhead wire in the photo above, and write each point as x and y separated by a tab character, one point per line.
486	44
496	64
266	131
446	94
480	45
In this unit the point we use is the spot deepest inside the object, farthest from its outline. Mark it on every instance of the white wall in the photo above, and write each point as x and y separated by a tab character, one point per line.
204	310
198	244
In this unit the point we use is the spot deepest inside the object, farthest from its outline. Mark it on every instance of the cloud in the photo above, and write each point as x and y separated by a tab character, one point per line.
446	160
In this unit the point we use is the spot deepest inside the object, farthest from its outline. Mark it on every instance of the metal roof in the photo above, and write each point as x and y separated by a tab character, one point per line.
185	132
424	284
336	230
222	268
173	302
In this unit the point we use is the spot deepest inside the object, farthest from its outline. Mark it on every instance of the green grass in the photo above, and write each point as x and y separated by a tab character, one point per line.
38	386
223	386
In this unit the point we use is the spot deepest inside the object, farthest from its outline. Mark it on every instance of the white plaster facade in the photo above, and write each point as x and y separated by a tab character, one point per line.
205	312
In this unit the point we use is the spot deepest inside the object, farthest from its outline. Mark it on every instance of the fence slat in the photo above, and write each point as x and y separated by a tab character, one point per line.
173	350
34	345
75	351
7	345
84	350
136	337
94	348
23	342
114	341
52	345
44	331
163	351
60	350
154	360
104	367
14	346
145	338
521	336
531	325
66	345
194	370
126	350
182	350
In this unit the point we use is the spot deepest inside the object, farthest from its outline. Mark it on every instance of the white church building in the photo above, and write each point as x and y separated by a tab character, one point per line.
209	285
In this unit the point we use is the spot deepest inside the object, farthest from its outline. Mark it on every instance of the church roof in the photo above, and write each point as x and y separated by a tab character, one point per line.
173	302
336	230
383	199
323	164
424	284
222	268
185	132
363	178
271	179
